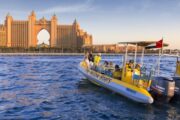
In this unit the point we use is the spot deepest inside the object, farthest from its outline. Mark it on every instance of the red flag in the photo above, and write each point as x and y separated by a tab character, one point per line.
159	44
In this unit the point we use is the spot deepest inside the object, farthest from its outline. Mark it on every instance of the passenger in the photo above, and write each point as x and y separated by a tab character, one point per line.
138	67
104	67
96	65
91	57
117	73
131	64
97	59
86	63
86	60
106	64
111	65
137	73
86	54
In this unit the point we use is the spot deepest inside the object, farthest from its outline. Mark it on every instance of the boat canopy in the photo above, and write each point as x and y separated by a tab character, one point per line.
143	43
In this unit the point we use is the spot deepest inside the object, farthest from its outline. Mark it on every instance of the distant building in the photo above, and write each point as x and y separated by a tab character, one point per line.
113	48
23	33
106	48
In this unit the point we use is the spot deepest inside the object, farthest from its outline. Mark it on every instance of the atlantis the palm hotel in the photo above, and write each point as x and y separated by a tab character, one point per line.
23	33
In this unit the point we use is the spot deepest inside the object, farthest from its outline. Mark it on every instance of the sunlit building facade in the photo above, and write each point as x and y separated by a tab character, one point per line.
19	33
3	35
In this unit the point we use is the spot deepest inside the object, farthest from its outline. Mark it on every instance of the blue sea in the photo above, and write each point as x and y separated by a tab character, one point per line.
51	87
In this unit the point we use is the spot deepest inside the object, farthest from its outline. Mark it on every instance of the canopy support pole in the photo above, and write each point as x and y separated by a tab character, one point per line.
125	58
159	60
135	56
142	56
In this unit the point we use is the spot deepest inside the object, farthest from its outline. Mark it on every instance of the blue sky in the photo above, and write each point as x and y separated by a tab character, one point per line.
109	21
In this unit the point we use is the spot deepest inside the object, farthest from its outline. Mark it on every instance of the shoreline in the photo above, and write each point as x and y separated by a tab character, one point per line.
74	54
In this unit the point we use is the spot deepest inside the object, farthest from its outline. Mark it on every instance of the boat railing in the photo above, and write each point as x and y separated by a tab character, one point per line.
143	80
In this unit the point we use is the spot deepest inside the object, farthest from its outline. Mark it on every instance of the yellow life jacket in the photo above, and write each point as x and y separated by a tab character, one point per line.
137	71
117	74
97	60
84	64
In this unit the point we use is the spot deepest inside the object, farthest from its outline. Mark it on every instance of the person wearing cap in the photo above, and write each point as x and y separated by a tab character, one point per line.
97	59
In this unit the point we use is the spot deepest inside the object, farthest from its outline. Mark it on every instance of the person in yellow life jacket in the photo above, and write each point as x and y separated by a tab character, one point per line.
117	73
85	63
97	59
130	64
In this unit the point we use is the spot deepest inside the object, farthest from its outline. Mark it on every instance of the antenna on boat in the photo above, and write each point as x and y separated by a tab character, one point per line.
159	59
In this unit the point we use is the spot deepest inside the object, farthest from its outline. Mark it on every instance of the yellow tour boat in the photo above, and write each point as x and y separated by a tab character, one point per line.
134	83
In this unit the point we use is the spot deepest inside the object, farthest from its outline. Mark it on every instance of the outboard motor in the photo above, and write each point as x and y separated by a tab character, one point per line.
162	88
177	88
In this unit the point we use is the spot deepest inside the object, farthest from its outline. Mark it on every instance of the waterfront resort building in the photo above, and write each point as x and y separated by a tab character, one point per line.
113	48
107	48
23	33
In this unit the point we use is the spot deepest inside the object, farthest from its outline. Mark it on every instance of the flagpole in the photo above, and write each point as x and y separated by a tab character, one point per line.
162	46
159	62
160	54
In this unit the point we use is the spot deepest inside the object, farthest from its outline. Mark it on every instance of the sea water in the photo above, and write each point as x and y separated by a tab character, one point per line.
51	87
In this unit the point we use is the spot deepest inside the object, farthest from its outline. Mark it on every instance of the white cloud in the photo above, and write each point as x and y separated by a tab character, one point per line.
81	7
140	6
